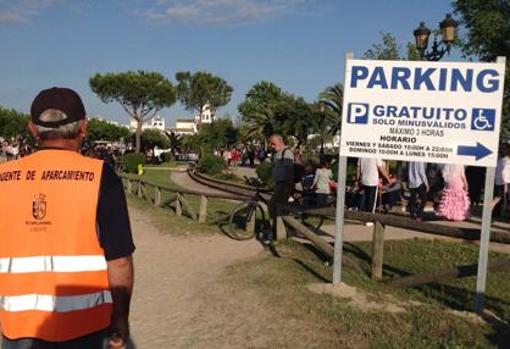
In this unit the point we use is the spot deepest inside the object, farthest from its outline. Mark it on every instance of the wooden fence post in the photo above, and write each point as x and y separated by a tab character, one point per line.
178	205
129	186
202	215
157	196
281	229
377	251
187	207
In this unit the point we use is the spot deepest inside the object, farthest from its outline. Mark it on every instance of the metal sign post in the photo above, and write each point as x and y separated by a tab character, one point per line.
340	201
481	277
485	234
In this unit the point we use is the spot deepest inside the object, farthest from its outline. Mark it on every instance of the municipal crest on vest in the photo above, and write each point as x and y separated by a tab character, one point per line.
39	206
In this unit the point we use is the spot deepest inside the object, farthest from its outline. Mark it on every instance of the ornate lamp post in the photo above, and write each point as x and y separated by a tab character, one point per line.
448	33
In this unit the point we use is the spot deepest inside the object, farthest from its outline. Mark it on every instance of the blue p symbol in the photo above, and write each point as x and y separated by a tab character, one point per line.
357	113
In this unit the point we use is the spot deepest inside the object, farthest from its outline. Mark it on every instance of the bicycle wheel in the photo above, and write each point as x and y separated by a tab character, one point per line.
241	216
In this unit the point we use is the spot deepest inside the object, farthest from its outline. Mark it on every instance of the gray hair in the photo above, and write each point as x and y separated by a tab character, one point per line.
277	137
67	131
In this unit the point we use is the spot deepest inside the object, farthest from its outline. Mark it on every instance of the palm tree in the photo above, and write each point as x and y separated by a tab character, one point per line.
259	126
332	98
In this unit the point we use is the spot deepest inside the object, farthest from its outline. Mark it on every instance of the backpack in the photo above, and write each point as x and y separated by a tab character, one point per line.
298	170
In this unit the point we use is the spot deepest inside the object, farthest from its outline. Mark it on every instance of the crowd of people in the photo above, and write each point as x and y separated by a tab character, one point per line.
447	191
452	190
13	150
243	155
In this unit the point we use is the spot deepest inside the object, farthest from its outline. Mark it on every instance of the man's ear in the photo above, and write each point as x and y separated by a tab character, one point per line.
83	128
33	129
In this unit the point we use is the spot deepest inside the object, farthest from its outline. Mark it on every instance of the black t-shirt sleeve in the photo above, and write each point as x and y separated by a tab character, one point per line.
114	229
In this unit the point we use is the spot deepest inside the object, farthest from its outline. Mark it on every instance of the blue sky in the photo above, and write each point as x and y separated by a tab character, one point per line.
297	44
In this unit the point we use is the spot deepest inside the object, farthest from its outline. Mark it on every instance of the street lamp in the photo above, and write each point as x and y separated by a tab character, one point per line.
421	34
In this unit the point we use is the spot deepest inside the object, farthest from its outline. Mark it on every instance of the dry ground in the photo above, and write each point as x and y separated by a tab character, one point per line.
183	298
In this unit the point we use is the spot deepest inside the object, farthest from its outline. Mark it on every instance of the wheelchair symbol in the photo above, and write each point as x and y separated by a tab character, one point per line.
481	123
483	120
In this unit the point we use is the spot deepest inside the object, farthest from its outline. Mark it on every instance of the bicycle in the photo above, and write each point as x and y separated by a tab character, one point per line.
242	221
249	218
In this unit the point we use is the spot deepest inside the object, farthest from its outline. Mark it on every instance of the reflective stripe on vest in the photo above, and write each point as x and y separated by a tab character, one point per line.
61	264
59	304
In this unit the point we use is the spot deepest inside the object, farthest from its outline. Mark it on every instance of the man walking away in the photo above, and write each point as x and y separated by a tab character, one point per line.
368	176
66	272
419	187
282	174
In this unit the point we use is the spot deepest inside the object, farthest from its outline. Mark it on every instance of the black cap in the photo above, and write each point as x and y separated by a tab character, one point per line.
58	98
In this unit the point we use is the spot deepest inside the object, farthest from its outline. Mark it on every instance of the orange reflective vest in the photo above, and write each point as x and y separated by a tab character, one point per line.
53	275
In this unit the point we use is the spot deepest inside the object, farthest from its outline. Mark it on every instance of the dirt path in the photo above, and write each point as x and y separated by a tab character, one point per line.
178	303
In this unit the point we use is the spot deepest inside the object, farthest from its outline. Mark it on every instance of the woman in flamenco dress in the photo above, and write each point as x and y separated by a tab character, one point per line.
455	203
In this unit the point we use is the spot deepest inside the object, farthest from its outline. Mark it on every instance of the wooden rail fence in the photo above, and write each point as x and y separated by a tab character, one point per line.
135	185
377	260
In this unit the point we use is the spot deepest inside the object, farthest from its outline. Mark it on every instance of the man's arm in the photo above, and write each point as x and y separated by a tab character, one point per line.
121	279
114	231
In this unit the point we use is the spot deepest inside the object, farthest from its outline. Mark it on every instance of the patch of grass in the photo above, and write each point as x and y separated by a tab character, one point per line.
428	323
169	164
417	255
159	177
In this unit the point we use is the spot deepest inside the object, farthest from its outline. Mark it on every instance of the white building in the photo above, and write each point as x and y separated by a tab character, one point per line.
184	127
206	115
156	123
189	126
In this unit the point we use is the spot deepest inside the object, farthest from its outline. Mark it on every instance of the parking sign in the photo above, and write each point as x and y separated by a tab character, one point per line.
442	112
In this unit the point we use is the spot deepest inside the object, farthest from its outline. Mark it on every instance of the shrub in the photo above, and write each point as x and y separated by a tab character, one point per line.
167	156
227	176
264	171
132	161
211	165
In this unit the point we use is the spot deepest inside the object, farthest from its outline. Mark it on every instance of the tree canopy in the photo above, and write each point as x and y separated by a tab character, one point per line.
13	124
487	36
268	109
101	130
214	136
141	94
154	138
389	49
257	110
332	98
200	89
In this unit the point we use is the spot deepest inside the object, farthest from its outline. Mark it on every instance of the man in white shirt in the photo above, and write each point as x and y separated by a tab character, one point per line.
502	180
368	176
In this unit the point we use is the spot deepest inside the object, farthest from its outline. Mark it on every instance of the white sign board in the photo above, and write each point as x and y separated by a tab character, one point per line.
439	112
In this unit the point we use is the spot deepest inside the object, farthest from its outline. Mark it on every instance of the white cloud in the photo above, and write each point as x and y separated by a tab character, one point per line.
219	12
22	11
